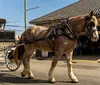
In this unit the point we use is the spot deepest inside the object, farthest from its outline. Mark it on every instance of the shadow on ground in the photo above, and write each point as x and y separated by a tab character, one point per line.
8	78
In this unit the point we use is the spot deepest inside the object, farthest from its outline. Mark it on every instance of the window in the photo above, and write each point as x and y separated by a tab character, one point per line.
6	35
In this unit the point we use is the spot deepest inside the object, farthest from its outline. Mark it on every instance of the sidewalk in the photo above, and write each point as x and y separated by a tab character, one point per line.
84	57
87	57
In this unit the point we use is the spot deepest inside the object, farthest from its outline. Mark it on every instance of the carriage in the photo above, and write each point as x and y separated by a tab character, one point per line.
7	41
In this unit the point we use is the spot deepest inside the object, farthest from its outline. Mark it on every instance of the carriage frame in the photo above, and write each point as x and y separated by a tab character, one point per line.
7	41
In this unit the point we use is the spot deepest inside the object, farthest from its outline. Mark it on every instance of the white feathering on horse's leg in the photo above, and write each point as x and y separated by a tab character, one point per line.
70	70
30	75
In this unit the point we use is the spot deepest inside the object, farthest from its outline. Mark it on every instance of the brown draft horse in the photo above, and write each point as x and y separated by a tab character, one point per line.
62	44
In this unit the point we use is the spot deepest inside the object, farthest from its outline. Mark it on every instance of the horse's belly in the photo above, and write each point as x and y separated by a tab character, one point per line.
59	44
44	46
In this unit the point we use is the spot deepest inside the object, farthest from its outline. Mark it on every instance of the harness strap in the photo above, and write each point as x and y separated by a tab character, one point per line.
52	32
85	26
70	29
52	47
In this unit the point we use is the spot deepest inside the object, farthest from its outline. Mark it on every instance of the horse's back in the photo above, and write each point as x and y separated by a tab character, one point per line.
34	32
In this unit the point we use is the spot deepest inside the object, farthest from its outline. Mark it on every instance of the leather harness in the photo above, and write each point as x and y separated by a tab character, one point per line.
66	30
64	27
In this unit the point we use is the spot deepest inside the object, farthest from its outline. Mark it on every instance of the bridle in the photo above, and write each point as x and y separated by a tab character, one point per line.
88	26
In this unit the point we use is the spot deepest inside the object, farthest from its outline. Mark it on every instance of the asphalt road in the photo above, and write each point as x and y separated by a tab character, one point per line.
88	73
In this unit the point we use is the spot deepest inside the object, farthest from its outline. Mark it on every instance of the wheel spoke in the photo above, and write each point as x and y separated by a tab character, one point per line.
10	63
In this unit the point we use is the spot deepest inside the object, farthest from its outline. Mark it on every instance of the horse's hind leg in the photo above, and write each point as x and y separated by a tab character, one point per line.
26	67
27	71
53	65
26	64
70	71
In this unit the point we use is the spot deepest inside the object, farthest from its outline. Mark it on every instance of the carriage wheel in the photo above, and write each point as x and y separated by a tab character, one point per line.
9	61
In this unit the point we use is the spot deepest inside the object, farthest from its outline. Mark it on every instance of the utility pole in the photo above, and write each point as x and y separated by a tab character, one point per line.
25	12
25	16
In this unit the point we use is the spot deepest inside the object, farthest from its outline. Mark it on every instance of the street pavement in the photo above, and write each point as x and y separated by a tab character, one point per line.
87	72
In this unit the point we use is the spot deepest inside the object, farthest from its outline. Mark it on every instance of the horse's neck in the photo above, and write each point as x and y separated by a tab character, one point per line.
77	24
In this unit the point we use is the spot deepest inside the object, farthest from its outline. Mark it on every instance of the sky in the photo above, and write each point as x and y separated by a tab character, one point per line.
13	10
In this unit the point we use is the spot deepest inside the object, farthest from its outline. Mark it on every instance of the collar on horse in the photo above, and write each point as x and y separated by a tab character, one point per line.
68	28
65	28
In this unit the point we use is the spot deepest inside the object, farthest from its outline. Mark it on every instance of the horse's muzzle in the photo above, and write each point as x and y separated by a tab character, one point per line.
94	39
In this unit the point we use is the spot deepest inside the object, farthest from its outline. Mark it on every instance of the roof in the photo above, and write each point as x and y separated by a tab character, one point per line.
2	21
79	8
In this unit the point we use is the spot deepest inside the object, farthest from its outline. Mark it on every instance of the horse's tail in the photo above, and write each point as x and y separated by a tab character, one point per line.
18	53
15	55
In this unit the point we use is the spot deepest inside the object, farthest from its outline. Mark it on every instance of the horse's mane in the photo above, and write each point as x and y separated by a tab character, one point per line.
78	16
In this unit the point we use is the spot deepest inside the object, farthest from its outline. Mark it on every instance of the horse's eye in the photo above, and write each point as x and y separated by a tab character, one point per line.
92	24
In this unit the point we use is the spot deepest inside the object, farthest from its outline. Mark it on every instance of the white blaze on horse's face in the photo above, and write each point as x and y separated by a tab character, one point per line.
95	35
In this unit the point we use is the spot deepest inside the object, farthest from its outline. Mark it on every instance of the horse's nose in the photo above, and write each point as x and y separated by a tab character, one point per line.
96	35
94	40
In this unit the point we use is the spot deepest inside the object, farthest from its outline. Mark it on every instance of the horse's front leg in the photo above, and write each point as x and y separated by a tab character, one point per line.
70	70
26	64
53	65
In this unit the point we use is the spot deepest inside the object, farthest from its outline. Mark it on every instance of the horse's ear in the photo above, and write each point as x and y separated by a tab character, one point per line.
91	13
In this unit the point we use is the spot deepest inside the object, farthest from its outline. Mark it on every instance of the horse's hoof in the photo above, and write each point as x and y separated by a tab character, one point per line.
32	77
52	80
22	74
75	81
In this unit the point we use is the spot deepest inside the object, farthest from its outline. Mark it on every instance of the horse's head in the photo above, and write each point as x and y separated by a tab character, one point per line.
91	24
